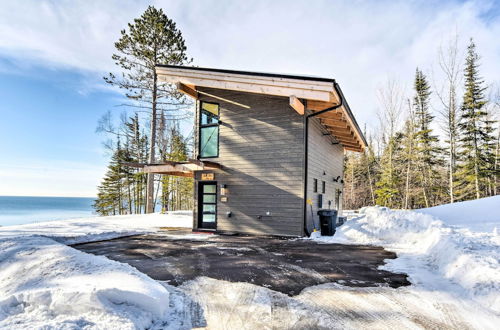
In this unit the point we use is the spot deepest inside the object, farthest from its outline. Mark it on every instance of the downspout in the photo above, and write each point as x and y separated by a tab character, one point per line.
306	147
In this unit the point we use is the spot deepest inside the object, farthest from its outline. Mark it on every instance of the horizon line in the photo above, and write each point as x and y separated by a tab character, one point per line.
48	196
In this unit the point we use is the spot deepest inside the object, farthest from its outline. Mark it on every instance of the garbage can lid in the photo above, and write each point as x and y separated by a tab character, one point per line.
327	213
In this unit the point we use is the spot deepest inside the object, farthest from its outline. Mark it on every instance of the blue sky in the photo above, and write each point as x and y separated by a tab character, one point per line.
53	55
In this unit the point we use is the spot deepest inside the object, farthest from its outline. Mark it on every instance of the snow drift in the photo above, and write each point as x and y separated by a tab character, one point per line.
429	251
46	284
477	215
85	230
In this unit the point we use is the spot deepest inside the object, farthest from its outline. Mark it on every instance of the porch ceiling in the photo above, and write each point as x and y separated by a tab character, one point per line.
185	169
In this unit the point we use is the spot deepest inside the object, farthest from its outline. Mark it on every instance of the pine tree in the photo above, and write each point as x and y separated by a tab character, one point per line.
176	191
150	40
387	191
474	132
112	196
426	147
137	144
409	157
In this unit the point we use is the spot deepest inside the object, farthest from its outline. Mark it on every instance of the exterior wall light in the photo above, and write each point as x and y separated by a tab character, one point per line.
223	190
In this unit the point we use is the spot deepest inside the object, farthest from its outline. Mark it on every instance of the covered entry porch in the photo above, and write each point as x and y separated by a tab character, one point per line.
205	186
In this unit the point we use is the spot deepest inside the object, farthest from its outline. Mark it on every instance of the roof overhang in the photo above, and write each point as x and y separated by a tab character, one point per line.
185	168
305	94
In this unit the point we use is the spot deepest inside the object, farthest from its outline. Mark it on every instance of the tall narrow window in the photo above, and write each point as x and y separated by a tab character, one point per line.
209	130
323	187
315	186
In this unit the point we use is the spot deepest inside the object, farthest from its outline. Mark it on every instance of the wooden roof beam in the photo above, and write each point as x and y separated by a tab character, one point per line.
301	89
351	143
183	174
297	105
336	124
319	105
187	90
343	133
358	135
353	149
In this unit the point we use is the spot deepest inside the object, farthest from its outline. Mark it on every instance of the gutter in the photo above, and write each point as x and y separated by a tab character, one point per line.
306	151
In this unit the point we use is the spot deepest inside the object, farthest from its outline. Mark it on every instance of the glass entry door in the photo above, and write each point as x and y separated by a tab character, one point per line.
207	205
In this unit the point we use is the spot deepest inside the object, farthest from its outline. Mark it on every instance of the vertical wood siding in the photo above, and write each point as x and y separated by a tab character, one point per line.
324	157
261	151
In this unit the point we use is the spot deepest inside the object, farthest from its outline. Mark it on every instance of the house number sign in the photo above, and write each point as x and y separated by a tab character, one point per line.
207	176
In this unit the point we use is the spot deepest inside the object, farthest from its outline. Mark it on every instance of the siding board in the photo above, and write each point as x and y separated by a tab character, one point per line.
324	157
261	153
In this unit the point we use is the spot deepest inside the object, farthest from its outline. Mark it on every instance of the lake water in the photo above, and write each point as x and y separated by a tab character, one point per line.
16	210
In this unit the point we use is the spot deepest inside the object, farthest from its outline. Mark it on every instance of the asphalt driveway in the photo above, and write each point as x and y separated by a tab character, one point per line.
284	265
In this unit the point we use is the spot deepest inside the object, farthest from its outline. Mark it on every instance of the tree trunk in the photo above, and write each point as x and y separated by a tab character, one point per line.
407	188
476	166
151	159
495	167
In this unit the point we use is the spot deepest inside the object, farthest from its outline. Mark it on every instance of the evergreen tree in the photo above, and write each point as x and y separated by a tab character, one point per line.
150	40
426	147
475	131
112	196
409	157
387	191
177	191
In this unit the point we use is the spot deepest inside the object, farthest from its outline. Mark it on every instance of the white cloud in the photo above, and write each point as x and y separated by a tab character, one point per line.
64	34
360	43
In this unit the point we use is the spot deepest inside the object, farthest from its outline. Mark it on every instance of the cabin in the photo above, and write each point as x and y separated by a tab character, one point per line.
269	149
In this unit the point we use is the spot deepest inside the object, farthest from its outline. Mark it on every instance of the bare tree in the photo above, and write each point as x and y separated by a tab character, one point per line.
494	112
391	98
449	63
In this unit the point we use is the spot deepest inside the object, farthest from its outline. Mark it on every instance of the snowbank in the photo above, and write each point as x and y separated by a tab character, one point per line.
435	256
45	284
100	228
477	215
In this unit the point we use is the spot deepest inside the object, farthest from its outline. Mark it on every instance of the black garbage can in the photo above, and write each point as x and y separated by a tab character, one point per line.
327	220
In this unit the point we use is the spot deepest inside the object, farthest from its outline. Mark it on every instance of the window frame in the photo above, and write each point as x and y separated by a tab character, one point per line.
201	126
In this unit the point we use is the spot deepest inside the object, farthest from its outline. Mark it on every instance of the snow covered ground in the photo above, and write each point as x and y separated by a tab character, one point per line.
477	215
84	230
439	254
46	284
454	273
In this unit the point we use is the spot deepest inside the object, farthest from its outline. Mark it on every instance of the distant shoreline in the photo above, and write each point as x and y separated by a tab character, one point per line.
17	210
48	196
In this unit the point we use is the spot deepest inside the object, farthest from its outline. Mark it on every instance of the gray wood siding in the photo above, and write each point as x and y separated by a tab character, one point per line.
261	151
324	157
